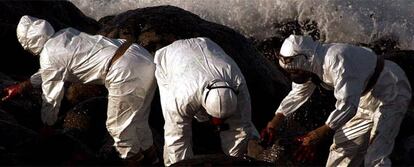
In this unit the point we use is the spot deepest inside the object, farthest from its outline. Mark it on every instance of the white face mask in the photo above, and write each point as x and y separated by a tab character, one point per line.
297	62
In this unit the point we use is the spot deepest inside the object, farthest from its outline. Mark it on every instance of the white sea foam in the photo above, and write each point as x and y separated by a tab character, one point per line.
339	20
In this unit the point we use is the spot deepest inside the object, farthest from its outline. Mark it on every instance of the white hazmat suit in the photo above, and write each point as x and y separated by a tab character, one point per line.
196	77
71	55
366	125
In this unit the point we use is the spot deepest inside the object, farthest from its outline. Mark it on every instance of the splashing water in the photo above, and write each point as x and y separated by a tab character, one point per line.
339	21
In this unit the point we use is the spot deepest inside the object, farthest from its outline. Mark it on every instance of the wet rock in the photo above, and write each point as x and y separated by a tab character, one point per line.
87	122
5	116
77	92
59	149
23	146
220	160
404	142
17	135
14	139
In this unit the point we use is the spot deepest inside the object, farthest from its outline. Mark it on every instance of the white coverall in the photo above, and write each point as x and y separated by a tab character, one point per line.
366	126
74	56
184	70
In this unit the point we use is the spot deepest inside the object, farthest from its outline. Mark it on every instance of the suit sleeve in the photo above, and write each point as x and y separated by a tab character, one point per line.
52	89
299	94
36	79
348	86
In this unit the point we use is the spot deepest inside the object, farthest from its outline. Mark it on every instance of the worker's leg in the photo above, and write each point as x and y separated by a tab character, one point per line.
387	121
351	141
177	130
234	141
127	120
131	85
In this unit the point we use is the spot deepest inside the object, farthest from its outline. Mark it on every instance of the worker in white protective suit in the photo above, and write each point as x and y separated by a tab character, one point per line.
71	55
197	79
372	97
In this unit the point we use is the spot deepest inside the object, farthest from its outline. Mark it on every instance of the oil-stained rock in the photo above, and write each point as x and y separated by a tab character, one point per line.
14	139
87	121
220	160
77	92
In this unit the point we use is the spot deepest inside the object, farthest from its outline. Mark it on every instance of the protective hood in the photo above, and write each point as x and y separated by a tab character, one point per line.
302	50
33	33
220	102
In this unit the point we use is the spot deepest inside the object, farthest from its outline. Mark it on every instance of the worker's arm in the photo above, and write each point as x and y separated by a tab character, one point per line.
299	94
52	90
19	88
348	87
177	131
36	80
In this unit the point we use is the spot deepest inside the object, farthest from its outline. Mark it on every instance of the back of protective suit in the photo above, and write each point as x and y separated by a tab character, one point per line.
87	56
200	62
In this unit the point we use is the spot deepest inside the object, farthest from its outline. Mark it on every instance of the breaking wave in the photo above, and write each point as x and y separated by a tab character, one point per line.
339	21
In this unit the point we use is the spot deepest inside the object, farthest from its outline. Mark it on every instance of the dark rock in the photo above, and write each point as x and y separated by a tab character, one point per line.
384	45
404	142
5	116
77	92
17	135
14	139
58	149
87	122
25	109
220	160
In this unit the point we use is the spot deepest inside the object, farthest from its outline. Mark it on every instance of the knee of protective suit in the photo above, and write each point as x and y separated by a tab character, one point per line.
234	143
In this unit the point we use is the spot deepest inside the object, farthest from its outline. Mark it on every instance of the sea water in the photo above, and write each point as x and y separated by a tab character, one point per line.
352	21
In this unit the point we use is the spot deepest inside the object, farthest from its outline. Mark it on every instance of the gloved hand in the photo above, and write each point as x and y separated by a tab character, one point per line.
304	152
15	90
11	91
268	134
316	135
